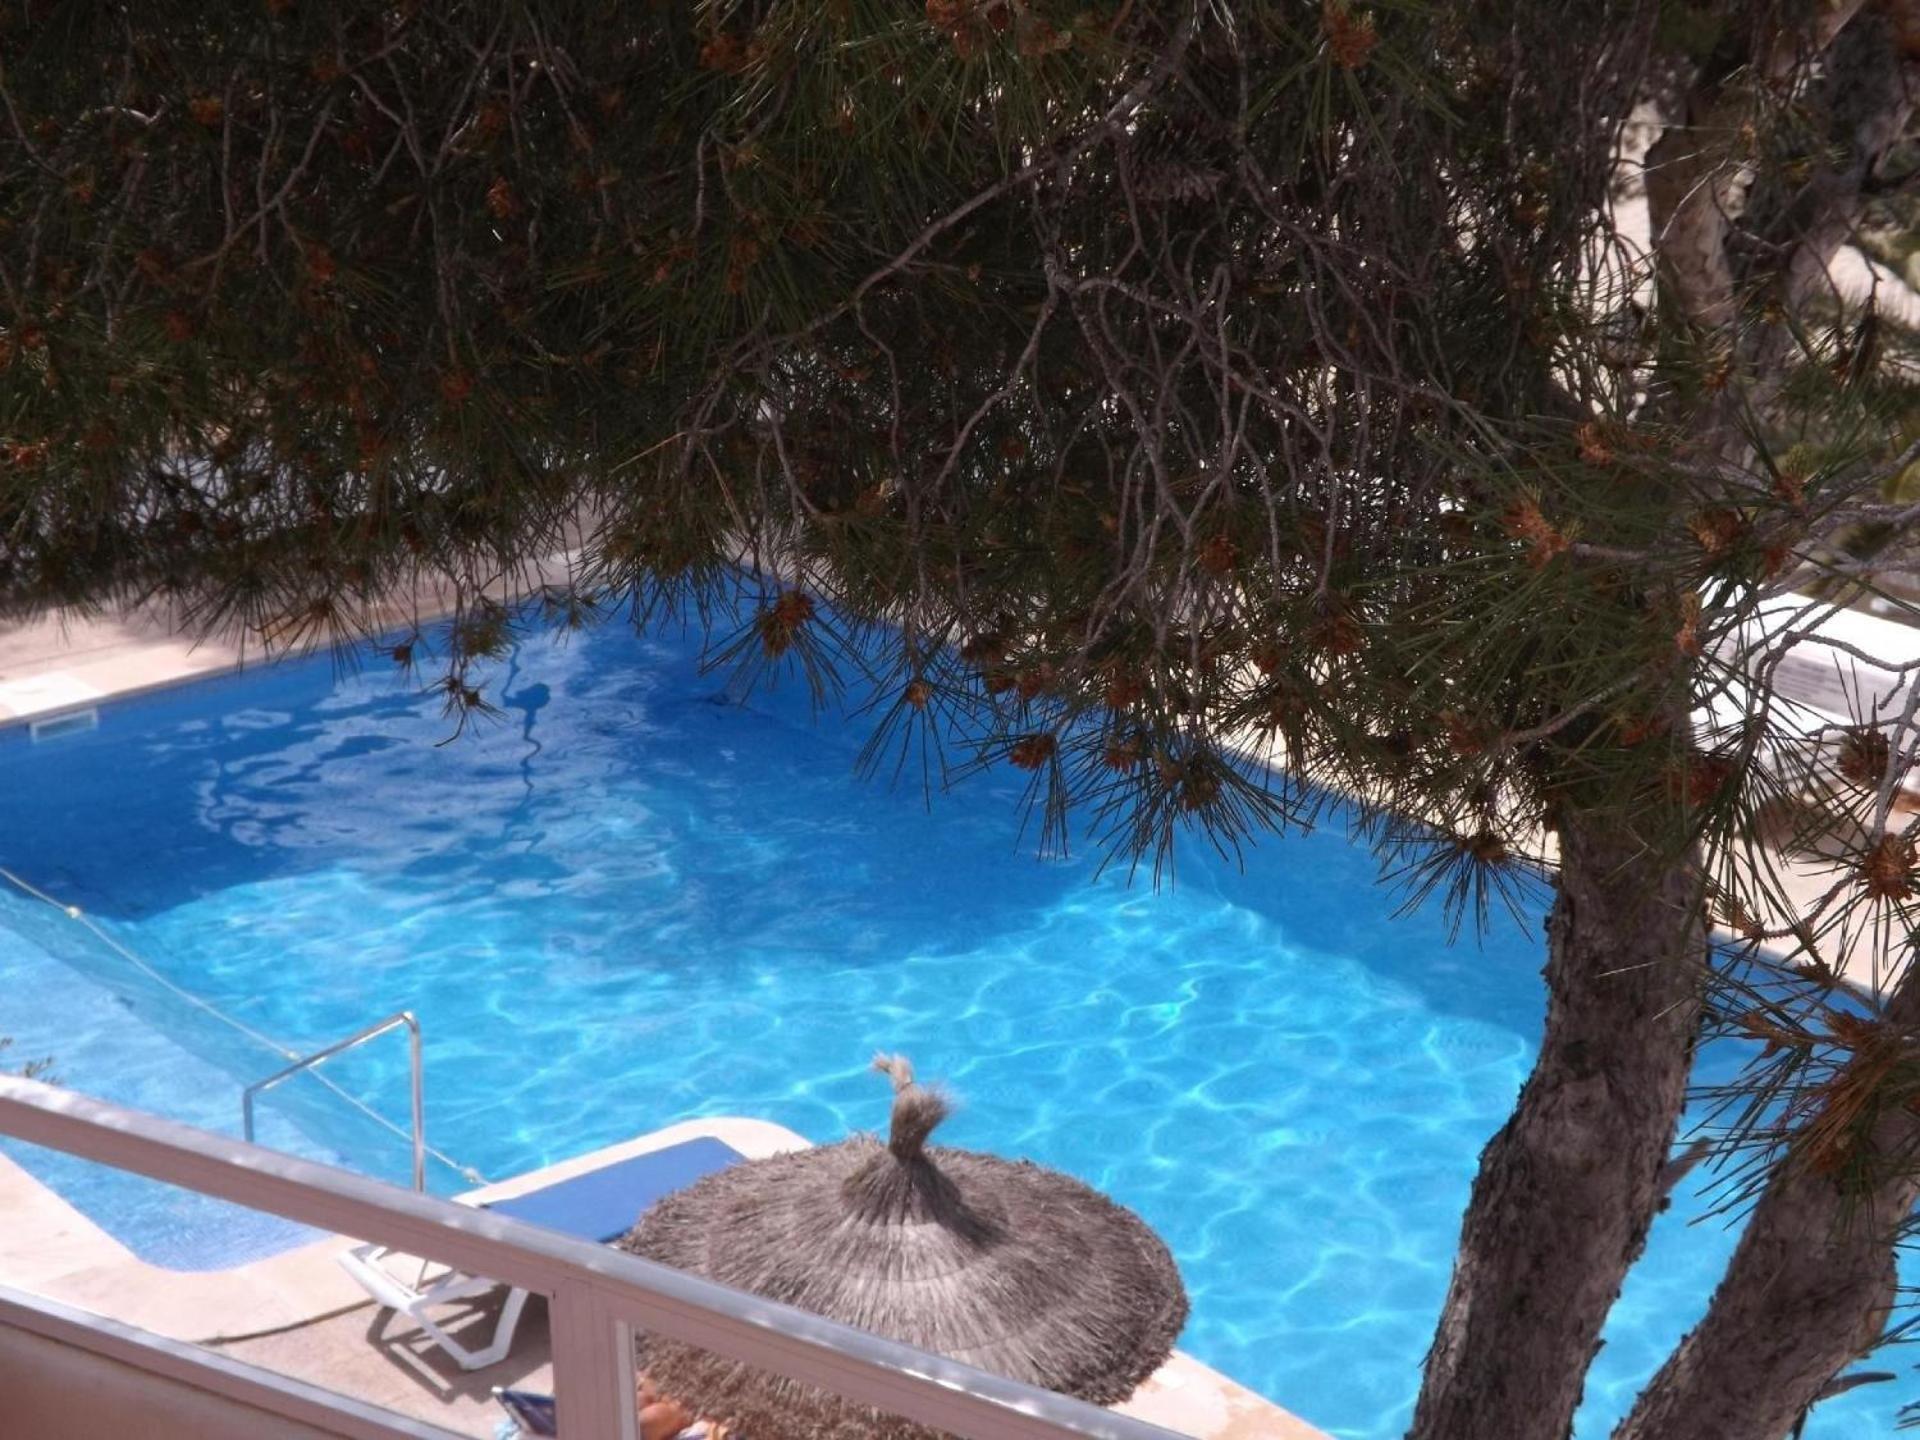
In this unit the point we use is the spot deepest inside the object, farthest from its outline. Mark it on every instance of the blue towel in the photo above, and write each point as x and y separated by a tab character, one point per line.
602	1205
532	1414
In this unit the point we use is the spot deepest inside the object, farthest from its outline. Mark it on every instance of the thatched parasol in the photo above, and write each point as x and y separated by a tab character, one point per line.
1002	1264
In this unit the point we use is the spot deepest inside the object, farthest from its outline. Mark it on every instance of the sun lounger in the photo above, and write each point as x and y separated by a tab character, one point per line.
600	1205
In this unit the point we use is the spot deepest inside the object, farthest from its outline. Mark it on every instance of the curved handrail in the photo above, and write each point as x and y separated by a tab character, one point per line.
373	1031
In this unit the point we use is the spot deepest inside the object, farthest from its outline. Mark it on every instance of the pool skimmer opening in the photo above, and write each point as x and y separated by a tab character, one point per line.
73	722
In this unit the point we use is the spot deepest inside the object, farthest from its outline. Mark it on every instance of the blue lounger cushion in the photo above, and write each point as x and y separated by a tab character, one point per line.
602	1205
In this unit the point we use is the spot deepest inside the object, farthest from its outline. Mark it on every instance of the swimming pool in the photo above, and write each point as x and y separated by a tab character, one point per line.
629	902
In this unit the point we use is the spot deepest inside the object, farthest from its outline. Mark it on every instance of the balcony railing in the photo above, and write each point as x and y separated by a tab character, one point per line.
598	1296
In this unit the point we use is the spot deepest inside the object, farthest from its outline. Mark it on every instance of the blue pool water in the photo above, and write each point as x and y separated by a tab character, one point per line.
628	902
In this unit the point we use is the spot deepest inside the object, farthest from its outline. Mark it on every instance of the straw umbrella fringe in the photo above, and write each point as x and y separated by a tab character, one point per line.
1016	1269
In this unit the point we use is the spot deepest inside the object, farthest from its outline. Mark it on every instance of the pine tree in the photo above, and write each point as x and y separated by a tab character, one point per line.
1138	393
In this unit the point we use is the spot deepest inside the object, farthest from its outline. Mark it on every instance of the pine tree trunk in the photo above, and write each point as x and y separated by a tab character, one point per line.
1807	1292
1570	1185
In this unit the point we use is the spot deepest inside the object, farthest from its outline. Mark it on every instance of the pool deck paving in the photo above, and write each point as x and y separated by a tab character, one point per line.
300	1314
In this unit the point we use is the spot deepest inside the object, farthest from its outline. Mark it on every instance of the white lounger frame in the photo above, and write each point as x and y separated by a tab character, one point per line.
367	1265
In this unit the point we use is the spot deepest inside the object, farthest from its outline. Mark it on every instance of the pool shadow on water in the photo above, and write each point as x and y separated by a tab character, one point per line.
611	775
1325	893
135	816
622	811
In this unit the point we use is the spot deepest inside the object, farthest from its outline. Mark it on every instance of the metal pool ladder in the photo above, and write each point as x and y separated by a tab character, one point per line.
373	1031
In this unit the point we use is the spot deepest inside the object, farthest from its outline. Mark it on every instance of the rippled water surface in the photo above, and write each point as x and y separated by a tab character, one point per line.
629	902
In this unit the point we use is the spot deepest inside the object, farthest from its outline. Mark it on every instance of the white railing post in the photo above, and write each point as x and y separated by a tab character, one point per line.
593	1379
